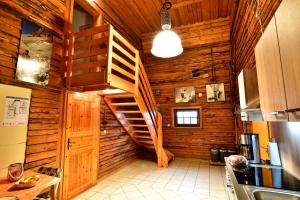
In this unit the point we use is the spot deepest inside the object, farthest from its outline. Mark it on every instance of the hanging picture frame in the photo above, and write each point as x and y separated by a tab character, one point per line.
215	92
185	95
35	52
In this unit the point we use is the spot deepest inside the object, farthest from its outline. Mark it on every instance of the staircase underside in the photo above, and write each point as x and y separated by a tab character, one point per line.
126	109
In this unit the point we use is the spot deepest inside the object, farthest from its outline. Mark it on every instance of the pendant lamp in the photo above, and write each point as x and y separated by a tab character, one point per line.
166	43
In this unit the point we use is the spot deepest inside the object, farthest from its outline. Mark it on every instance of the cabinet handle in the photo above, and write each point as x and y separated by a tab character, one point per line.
276	112
292	110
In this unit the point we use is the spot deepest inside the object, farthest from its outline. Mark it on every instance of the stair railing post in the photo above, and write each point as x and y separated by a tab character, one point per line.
109	52
70	60
137	66
159	140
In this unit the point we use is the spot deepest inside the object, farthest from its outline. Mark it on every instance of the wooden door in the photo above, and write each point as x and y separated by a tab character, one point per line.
269	75
81	144
288	27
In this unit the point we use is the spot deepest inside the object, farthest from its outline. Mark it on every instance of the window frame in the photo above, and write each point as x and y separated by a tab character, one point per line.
174	118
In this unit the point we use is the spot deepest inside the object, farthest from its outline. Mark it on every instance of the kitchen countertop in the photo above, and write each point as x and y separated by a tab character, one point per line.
239	189
245	192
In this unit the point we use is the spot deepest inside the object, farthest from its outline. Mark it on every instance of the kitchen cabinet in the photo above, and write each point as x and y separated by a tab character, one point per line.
278	64
269	75
248	89
288	28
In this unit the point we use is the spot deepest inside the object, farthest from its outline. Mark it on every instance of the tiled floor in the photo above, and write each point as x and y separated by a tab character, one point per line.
185	179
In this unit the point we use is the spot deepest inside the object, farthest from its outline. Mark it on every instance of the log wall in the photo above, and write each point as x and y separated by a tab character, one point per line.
116	148
218	128
44	129
46	111
246	32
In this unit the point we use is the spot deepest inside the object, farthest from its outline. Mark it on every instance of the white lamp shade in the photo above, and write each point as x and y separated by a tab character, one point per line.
166	44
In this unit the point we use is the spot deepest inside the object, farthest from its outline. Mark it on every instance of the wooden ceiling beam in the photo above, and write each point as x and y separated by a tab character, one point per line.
185	3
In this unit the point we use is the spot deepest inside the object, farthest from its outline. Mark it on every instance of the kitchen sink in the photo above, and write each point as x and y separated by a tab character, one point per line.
262	193
271	195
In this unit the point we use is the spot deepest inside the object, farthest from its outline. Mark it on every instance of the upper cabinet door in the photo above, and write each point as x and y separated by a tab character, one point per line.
269	75
288	28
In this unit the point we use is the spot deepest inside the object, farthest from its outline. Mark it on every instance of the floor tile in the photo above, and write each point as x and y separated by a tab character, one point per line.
184	179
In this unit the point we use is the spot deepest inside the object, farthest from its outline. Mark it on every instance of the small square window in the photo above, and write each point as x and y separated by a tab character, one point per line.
186	117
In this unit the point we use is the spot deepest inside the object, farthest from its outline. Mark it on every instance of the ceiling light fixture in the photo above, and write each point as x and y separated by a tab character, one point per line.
166	43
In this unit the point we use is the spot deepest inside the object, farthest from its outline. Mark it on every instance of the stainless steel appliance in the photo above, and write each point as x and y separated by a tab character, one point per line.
268	177
249	147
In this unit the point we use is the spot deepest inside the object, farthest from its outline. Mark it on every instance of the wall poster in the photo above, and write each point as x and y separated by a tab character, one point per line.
16	111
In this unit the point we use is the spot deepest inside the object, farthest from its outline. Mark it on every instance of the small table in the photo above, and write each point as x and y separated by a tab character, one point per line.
8	188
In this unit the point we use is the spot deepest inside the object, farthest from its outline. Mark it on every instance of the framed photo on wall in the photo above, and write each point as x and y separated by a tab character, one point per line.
35	53
215	92
185	95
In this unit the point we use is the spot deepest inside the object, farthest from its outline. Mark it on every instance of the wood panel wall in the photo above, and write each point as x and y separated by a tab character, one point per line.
246	32
217	118
44	129
46	111
116	147
218	128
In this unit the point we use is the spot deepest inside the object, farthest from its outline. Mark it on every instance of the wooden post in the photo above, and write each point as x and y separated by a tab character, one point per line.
162	159
110	51
137	71
70	60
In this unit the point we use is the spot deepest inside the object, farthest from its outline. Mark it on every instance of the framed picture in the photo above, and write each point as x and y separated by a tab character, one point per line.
35	53
185	95
215	92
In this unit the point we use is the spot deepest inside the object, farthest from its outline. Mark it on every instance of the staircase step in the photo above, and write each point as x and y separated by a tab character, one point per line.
133	119
124	104
128	111
119	96
169	155
142	136
135	125
148	142
148	146
137	131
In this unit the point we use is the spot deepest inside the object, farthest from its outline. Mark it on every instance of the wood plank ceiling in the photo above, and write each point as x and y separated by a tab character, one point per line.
143	16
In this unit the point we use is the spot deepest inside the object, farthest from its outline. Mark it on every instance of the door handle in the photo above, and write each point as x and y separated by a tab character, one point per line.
69	143
277	112
292	110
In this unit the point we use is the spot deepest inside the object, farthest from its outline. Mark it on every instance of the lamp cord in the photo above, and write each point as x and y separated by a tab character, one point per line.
258	14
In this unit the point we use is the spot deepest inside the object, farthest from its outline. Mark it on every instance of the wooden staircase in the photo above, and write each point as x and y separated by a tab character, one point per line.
100	59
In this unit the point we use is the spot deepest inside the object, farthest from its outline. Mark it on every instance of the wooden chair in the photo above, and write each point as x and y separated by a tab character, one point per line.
50	171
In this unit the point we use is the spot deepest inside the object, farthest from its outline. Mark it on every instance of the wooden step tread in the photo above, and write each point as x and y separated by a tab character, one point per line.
128	111
133	119
124	104
150	142
169	154
135	125
148	146
137	131
119	96
142	136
